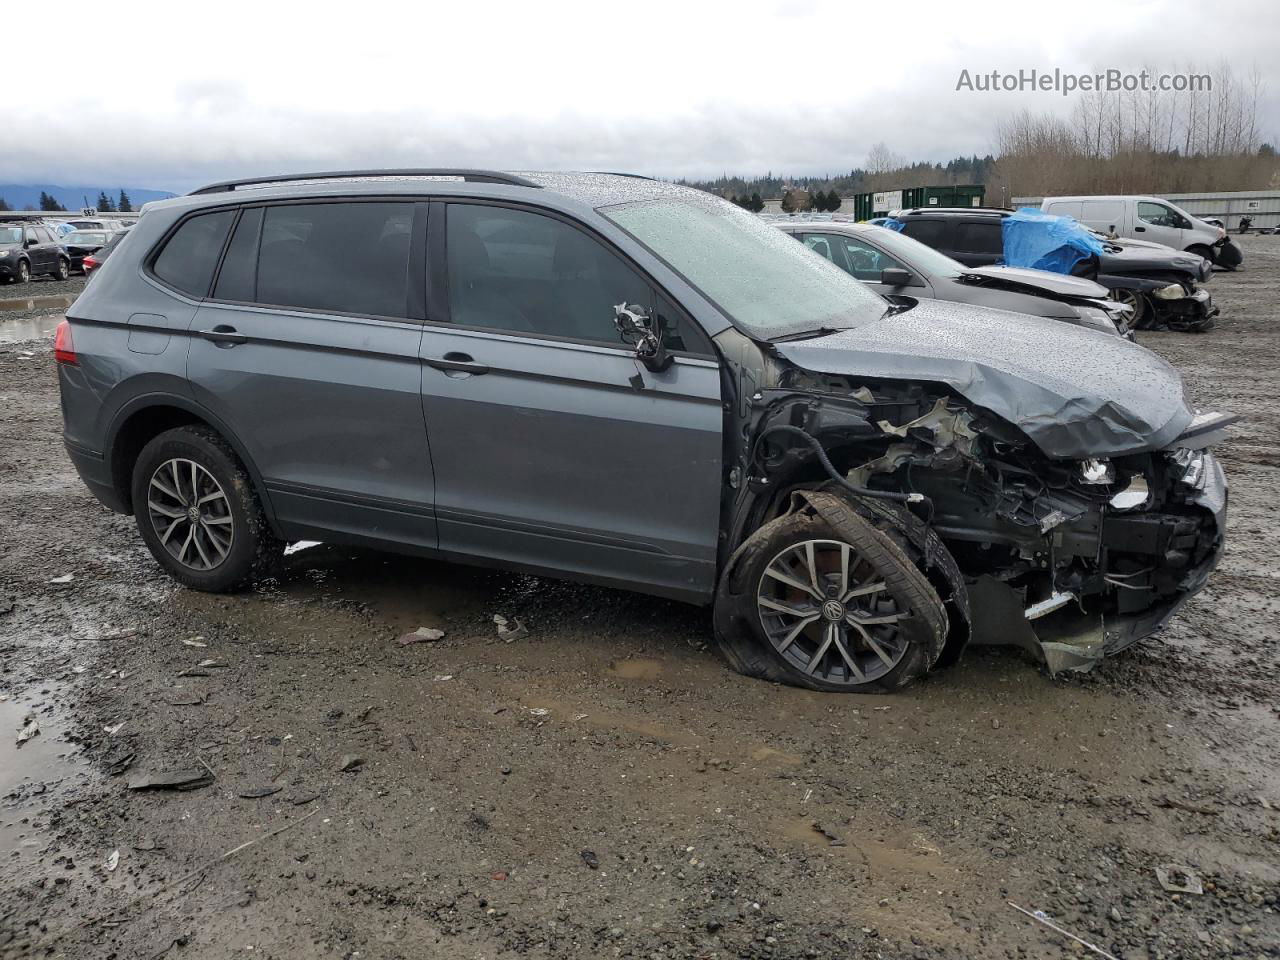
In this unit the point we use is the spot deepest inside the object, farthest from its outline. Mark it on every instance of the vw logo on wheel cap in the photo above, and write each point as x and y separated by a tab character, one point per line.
833	610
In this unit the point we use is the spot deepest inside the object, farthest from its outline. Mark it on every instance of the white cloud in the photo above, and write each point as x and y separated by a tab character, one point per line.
665	88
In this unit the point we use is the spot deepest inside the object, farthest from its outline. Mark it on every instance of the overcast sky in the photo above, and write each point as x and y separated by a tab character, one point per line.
185	93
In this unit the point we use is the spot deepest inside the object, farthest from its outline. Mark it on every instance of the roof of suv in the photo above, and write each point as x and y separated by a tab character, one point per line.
954	211
592	189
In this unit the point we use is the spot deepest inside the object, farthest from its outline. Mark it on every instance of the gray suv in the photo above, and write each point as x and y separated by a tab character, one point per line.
627	382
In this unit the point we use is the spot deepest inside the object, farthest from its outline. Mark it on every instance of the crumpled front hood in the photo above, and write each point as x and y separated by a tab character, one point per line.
1040	282
1076	393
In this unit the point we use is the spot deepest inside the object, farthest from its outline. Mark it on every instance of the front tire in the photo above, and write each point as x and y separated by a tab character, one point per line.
24	272
197	511
64	269
832	605
1135	307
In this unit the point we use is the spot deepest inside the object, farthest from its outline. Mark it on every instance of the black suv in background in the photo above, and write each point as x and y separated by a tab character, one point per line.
28	249
1158	286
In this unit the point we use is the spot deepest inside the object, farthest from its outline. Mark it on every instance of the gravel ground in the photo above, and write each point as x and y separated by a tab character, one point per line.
604	786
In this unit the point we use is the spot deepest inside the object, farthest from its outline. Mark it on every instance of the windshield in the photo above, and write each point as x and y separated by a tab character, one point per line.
768	284
925	259
85	236
10	235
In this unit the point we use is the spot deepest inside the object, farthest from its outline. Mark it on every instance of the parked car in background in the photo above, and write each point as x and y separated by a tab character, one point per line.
93	261
895	265
80	243
111	226
1150	218
629	382
29	249
1157	286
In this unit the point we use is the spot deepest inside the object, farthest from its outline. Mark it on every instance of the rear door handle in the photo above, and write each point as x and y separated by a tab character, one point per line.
224	335
456	361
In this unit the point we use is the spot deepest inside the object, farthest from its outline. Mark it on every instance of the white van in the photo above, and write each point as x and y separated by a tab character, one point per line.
1150	219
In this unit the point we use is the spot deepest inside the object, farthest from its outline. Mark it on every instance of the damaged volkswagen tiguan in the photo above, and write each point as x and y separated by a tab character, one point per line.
627	382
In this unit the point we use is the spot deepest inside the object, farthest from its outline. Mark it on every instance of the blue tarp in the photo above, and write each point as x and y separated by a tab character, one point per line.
1044	242
892	224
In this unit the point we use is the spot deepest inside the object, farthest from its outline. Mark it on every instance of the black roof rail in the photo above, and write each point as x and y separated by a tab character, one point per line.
470	176
909	211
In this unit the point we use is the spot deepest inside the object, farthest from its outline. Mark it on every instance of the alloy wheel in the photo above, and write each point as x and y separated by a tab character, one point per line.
24	272
828	612
1130	307
190	513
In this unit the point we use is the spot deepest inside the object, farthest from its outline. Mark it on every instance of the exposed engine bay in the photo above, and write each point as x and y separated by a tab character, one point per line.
1070	559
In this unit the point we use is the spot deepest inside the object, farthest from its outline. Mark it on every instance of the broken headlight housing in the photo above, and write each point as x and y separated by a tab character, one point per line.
1188	466
1173	291
1097	471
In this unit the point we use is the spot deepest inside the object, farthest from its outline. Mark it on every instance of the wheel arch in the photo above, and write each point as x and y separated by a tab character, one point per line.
144	418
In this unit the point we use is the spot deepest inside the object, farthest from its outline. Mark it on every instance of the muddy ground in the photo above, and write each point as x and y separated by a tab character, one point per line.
604	786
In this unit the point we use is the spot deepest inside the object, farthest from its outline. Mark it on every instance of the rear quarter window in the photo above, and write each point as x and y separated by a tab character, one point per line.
187	260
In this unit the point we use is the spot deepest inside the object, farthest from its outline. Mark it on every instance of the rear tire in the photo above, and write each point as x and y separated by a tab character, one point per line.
887	625
198	513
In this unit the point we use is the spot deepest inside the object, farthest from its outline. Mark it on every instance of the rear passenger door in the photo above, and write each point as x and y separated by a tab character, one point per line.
554	450
307	349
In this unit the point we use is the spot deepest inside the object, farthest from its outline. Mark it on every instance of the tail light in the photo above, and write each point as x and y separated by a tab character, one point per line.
90	263
64	351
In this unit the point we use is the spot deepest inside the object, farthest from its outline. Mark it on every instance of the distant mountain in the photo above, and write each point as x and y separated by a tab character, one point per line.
26	196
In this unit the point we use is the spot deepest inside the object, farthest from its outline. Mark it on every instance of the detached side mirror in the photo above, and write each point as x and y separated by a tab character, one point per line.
637	328
896	277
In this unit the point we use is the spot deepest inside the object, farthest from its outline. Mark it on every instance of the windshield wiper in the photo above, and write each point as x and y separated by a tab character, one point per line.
806	334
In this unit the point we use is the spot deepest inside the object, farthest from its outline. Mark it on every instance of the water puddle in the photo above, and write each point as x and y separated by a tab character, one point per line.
29	773
27	328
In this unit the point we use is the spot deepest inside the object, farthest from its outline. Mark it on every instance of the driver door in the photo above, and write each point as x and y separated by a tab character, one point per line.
553	448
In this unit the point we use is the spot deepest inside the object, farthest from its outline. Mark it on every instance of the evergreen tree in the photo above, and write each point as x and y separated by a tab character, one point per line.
104	203
3	205
48	203
125	205
833	200
756	204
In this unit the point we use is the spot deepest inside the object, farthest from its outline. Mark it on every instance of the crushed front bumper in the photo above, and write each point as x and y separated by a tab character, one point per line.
1192	313
1183	549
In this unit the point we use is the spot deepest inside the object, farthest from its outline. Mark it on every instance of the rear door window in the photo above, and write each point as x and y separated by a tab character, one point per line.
933	233
980	237
189	257
332	257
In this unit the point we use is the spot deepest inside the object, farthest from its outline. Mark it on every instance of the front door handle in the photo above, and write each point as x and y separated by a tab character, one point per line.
224	335
1139	229
456	361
